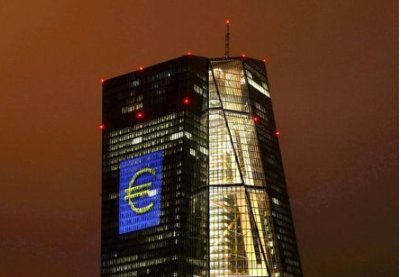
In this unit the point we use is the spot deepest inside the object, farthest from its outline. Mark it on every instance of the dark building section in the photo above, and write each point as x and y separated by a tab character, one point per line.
153	122
193	182
288	260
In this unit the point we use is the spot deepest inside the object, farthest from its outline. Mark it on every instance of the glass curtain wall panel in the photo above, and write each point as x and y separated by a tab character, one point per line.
286	250
155	160
241	240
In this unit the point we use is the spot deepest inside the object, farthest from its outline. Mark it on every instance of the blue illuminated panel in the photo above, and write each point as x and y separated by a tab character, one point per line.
140	192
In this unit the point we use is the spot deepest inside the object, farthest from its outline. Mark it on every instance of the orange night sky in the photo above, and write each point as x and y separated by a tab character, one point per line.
333	73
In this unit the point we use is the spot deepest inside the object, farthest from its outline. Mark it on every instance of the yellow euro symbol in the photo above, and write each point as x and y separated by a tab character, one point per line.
133	192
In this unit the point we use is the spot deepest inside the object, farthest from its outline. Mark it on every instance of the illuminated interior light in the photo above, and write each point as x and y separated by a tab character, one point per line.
137	140
260	88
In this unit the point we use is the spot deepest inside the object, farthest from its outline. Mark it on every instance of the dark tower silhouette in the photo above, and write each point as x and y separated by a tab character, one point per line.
193	182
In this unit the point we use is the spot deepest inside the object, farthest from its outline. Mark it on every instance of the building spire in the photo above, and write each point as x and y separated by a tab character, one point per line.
227	52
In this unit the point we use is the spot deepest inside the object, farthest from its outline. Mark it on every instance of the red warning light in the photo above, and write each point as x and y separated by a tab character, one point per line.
139	115
264	60
189	53
243	55
101	80
102	126
255	118
277	133
186	101
227	21
140	68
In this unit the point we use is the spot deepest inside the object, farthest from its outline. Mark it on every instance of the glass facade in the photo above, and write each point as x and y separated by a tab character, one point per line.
251	230
193	183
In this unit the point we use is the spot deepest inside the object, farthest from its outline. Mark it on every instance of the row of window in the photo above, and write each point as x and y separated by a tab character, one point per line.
138	126
132	138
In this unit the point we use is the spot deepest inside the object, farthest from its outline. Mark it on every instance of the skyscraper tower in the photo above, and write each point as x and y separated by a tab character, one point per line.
193	182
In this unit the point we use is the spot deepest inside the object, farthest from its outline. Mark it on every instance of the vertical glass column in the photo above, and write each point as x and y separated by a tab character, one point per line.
240	236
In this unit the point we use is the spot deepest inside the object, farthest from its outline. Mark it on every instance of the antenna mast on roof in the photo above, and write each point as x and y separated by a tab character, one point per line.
227	53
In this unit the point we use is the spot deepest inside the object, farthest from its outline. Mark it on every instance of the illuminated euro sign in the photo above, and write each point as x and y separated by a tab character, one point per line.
133	192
